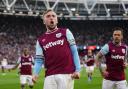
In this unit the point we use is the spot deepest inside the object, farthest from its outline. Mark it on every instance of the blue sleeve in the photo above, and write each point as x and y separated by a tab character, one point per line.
38	60
70	37
39	50
105	49
74	51
37	66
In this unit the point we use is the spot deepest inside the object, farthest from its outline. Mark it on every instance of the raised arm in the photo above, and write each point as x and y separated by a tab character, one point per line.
17	64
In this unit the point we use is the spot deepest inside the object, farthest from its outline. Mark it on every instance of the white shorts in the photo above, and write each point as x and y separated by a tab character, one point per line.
26	79
4	64
89	69
108	84
103	66
59	81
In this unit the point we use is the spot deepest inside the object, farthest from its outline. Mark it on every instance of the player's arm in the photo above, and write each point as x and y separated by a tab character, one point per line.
38	61
32	61
83	60
17	64
126	58
99	58
86	59
74	51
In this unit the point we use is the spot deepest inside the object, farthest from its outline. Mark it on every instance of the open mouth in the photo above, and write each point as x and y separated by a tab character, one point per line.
51	22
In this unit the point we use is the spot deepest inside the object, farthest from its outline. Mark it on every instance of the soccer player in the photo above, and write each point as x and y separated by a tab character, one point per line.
25	61
4	64
56	49
89	60
82	57
115	53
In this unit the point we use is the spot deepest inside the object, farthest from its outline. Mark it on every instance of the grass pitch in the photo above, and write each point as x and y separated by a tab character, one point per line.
11	80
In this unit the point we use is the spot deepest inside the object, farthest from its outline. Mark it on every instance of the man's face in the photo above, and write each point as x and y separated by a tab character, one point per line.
117	36
89	52
26	52
50	20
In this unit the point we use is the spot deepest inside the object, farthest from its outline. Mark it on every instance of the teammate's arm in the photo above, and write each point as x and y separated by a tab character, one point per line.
99	58
38	61
86	59
32	61
126	58
74	51
17	64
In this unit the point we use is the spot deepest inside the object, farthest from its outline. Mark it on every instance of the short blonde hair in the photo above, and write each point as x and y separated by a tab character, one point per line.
45	12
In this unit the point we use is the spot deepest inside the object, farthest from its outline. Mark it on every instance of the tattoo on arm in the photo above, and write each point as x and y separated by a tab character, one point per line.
98	61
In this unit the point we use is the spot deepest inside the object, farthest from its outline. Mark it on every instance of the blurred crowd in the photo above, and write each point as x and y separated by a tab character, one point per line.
19	32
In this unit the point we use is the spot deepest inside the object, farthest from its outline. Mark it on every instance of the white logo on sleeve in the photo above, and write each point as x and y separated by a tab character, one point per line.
52	44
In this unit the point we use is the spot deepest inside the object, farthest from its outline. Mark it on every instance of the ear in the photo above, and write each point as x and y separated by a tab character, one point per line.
43	22
122	37
57	21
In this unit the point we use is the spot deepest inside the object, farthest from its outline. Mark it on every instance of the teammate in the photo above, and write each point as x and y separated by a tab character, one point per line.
4	64
56	48
25	61
115	53
89	60
82	57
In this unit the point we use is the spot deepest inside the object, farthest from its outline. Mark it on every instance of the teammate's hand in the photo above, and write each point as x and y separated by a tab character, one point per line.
125	65
34	78
75	75
104	73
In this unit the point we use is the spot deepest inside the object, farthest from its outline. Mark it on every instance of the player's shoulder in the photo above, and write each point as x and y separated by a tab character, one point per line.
63	29
39	38
30	56
123	44
110	43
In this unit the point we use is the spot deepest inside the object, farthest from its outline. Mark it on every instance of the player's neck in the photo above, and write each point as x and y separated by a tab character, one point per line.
26	55
51	30
117	44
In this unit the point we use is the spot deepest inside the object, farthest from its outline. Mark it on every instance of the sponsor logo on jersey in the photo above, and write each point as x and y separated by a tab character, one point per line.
52	44
117	57
26	63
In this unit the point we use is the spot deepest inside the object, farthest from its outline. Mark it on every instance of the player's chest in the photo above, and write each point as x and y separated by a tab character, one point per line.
26	60
118	50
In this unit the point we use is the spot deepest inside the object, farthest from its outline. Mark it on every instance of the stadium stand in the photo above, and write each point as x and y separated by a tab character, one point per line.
17	32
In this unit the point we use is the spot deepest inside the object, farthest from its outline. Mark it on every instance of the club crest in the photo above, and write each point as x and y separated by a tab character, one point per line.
29	59
113	50
58	35
123	50
43	40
